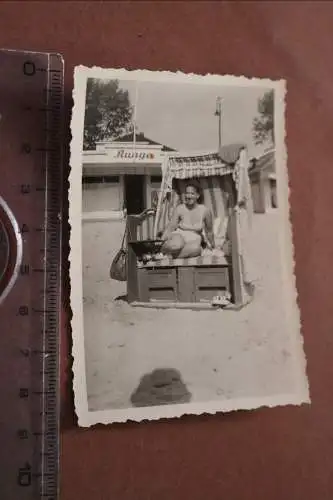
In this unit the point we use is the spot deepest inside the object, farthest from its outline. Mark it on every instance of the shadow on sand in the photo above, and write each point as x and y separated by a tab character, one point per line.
161	387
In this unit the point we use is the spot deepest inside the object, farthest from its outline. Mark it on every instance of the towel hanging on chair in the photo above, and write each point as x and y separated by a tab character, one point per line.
244	217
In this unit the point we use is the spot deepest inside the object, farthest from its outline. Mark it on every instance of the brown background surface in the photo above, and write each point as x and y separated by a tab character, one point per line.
269	454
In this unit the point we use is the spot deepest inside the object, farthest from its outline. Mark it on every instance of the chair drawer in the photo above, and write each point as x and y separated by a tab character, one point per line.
157	285
160	278
211	277
162	294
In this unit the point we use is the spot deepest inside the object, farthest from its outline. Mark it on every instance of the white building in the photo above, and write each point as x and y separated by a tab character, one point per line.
263	182
127	173
122	174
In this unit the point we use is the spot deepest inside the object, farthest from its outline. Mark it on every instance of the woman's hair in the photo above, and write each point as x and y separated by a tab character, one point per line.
197	186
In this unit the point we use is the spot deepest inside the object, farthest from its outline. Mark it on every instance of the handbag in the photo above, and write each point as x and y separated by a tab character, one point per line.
118	269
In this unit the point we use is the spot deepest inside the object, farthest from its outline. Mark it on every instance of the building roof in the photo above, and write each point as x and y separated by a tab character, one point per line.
140	137
264	162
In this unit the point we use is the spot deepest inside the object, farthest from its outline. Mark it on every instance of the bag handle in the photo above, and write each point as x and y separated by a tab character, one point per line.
124	237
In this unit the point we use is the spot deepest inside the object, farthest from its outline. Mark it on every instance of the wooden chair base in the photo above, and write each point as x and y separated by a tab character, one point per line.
182	285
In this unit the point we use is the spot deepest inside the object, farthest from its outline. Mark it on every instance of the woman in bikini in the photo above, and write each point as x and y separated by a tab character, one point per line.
191	222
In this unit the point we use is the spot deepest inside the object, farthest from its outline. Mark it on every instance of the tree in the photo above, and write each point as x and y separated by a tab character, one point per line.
108	112
263	125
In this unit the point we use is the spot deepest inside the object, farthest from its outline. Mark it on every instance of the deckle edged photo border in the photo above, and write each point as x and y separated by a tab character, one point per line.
266	370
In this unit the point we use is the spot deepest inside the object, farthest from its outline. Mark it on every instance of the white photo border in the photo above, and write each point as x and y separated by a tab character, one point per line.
300	394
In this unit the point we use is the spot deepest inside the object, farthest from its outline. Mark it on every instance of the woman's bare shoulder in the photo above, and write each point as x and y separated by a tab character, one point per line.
180	208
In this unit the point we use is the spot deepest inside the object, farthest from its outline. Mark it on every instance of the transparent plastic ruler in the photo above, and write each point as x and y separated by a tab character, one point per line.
31	109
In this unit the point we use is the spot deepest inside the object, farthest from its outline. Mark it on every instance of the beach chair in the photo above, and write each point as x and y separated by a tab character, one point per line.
215	278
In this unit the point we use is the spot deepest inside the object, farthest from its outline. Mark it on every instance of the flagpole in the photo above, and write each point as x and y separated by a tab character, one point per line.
135	117
218	113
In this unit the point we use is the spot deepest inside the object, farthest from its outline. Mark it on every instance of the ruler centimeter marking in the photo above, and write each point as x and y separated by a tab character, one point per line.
31	103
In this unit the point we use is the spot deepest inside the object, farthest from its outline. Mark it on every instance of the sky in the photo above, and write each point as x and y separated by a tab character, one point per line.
181	115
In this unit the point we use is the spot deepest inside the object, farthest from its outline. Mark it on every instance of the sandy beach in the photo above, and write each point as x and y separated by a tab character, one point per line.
219	354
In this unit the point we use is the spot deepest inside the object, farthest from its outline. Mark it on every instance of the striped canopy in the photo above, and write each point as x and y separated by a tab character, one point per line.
203	165
210	169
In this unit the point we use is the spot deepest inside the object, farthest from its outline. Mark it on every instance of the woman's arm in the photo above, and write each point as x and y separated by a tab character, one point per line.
208	222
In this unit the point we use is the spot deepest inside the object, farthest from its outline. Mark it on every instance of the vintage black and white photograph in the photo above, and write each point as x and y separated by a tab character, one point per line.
183	290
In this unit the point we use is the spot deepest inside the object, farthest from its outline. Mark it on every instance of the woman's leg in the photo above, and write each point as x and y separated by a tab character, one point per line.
190	249
173	245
